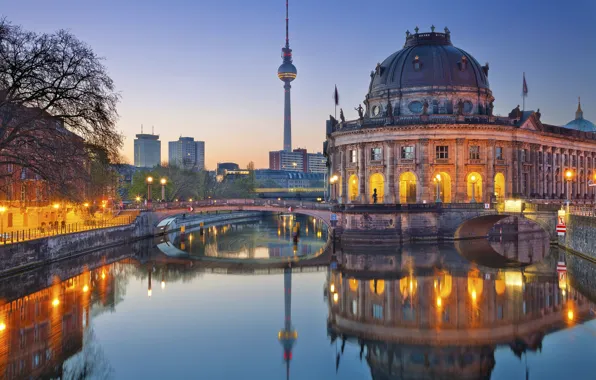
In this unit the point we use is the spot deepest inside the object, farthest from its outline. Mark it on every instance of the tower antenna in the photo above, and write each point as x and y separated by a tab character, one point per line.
141	128
287	26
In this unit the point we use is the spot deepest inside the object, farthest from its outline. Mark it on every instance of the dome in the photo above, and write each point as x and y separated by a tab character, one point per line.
579	123
429	59
287	72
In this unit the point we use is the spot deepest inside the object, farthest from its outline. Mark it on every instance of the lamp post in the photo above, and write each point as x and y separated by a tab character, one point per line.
568	178
163	189
149	183
333	180
438	182
473	179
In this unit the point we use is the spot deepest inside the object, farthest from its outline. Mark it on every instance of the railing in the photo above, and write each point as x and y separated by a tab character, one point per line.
582	210
54	229
407	207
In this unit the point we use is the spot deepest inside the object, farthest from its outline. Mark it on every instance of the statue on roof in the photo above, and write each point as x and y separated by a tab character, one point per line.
333	120
516	113
360	111
341	115
489	109
538	114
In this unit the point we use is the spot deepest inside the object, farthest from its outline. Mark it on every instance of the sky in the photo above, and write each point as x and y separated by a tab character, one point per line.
208	69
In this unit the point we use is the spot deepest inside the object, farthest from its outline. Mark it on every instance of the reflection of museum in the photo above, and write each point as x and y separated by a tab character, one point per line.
428	117
444	325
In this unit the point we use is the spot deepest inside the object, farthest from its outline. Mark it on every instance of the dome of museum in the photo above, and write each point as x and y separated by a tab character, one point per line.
428	60
579	123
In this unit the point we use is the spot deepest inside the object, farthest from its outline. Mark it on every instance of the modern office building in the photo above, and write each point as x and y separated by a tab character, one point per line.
222	167
187	153
147	150
298	160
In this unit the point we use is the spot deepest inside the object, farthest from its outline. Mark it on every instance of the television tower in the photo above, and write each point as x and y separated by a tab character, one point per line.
287	336
287	73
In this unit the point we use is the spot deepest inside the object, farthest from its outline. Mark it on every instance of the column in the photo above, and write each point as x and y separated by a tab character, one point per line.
553	172
515	147
490	171
424	192
533	185
389	152
343	190
362	173
460	172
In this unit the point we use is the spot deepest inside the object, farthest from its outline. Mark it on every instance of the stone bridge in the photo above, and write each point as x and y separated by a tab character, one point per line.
390	223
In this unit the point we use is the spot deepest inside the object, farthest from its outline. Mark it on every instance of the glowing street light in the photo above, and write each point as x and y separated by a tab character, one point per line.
2	211
473	179
149	183
568	178
163	188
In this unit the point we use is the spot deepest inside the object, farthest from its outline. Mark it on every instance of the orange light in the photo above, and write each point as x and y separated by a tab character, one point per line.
56	206
85	289
439	302
56	302
149	179
103	275
332	288
474	295
86	204
163	181
569	174
335	297
163	284
2	326
570	315
149	292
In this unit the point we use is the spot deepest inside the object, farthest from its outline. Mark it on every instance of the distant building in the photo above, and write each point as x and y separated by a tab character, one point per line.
316	163
267	178
147	150
187	153
222	167
297	160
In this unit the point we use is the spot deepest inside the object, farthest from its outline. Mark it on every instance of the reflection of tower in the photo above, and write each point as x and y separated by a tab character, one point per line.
287	336
287	73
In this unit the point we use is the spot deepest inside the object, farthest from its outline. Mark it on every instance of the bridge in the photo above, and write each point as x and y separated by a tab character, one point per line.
367	223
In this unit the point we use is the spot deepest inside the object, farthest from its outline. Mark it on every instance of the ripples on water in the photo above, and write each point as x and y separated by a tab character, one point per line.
420	311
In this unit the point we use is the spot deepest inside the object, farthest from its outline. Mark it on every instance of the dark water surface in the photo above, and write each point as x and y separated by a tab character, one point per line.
417	312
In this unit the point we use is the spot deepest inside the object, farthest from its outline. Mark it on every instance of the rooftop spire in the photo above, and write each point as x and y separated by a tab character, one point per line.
579	114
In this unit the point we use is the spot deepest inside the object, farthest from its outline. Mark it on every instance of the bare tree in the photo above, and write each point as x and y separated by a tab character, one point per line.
55	98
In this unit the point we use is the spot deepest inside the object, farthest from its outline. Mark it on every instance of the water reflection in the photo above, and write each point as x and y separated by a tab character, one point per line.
441	319
268	236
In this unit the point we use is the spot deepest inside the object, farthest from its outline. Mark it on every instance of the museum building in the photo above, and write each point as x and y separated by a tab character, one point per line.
427	133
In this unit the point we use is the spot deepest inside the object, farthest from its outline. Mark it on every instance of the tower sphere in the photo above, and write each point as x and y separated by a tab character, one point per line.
287	72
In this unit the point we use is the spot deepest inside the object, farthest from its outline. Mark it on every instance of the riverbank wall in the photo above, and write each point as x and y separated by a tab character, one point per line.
580	235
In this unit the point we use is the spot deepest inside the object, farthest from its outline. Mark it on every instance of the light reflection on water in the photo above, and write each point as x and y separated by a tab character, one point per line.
419	312
269	236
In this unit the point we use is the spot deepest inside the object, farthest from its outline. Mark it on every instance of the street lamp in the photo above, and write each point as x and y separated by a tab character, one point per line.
568	178
473	179
163	189
438	182
333	180
149	183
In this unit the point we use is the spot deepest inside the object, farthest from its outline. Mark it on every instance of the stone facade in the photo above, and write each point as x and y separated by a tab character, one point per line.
428	134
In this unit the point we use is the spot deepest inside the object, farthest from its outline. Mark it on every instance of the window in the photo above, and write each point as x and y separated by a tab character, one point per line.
525	189
377	311
524	154
474	151
354	307
442	152
407	152
9	168
499	153
572	160
376	154
565	159
23	192
499	312
353	156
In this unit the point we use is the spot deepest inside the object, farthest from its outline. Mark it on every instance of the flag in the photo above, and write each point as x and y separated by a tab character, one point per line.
336	96
525	87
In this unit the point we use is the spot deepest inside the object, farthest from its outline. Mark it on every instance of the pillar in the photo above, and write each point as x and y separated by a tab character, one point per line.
389	153
424	192
460	187
362	173
490	171
343	190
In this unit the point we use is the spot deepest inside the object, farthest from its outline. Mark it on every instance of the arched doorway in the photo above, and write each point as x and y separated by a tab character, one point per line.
499	187
474	187
352	188
407	188
444	180
376	181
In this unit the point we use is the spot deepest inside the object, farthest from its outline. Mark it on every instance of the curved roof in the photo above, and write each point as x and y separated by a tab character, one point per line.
579	123
439	64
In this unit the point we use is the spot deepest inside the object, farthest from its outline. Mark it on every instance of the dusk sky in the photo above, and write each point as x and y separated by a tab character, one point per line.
207	69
